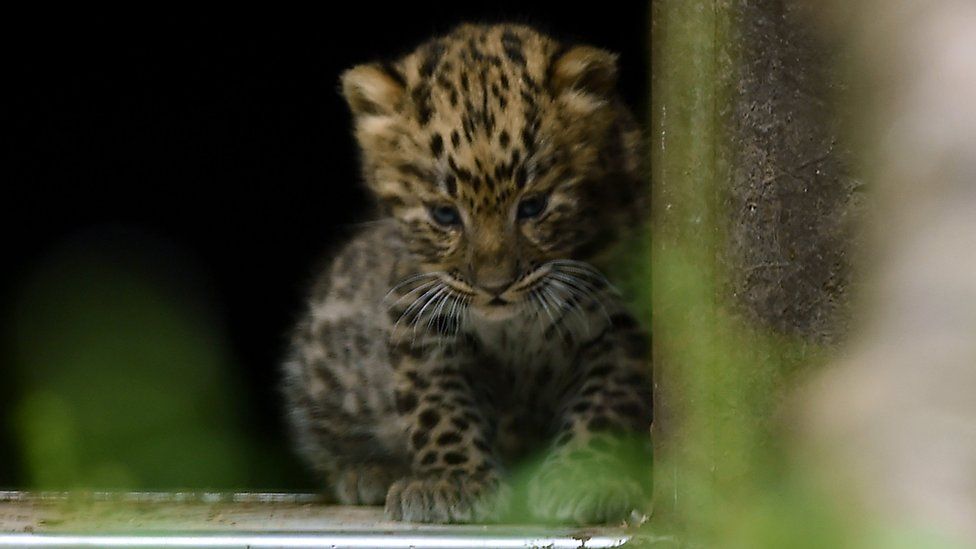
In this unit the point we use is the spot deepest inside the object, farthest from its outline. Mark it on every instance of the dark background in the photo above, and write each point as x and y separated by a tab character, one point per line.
216	141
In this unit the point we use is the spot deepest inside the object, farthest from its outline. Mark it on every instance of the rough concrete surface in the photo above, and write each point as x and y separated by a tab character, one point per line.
792	200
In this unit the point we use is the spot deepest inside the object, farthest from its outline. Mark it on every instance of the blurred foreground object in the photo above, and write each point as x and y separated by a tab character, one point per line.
754	201
896	418
763	129
125	377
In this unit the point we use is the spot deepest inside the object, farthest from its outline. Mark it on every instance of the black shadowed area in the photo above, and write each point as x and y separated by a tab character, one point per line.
173	179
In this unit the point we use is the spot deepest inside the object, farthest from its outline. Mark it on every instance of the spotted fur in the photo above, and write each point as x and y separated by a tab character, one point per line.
471	325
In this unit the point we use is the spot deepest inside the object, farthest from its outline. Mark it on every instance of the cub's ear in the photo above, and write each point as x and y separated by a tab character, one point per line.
585	69
372	90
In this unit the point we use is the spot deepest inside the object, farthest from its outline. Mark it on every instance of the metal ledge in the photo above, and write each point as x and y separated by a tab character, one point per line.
256	520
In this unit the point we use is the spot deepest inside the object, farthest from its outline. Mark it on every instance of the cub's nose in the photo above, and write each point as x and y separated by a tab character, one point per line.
496	274
495	287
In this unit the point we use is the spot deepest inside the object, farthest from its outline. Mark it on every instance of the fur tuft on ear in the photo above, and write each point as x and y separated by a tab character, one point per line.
585	69
372	89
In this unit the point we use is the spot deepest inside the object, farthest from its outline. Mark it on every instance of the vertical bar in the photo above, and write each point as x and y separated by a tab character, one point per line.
686	166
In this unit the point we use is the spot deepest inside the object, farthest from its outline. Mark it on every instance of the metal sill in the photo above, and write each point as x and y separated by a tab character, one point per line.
249	520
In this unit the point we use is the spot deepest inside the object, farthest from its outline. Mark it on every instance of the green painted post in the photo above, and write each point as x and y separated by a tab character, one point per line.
724	362
687	163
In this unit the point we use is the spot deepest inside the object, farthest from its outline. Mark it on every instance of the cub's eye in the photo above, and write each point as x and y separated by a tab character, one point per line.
445	215
532	206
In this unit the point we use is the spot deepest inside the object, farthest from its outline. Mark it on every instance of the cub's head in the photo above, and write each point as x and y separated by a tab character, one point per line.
504	156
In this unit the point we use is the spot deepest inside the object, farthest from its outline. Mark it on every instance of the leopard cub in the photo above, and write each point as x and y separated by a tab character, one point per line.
471	326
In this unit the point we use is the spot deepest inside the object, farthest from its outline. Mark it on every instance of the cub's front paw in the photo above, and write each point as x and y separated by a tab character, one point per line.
588	491
365	484
439	499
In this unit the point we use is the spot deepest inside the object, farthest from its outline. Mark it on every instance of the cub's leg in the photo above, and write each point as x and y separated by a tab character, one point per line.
599	466
339	408
454	472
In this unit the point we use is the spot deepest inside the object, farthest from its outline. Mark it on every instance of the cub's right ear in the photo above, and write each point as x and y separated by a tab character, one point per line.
373	90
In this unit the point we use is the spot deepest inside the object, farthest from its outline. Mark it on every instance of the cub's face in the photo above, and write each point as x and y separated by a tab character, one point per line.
503	157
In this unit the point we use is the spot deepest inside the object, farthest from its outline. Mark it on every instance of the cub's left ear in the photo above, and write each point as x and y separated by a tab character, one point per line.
372	90
585	69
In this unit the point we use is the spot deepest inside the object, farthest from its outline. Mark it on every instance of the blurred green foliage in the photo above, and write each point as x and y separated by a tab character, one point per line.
125	377
729	472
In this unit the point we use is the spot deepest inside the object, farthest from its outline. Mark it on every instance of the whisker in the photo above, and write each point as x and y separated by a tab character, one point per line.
591	291
581	267
420	314
576	295
438	309
451	313
545	306
579	284
413	305
427	284
408	280
463	312
589	273
559	304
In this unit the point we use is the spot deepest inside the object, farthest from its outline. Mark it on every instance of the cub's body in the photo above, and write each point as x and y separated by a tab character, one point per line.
471	326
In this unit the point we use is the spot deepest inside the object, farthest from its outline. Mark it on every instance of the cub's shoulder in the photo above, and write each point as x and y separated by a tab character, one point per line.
361	267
